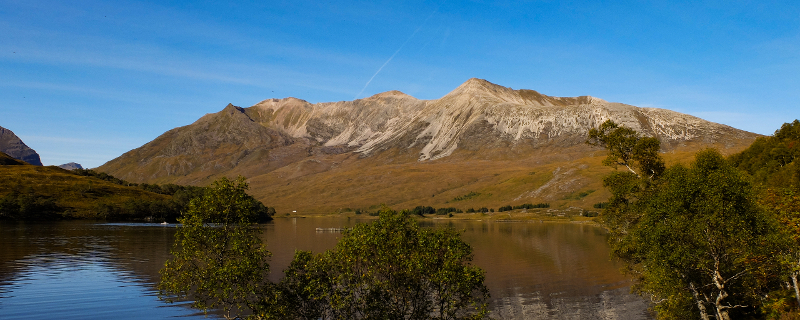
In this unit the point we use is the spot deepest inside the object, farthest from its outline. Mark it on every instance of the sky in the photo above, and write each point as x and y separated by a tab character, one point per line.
86	81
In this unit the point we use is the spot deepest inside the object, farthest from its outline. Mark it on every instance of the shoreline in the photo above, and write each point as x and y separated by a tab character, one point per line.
508	217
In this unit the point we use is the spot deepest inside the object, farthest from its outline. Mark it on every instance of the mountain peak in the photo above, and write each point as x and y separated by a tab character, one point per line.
71	166
13	146
391	94
480	84
479	88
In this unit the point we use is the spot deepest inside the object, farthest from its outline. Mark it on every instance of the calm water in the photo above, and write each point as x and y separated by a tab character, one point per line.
85	270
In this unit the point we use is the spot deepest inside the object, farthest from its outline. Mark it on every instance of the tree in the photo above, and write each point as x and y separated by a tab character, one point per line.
772	164
785	204
628	148
703	239
219	260
694	237
771	160
389	269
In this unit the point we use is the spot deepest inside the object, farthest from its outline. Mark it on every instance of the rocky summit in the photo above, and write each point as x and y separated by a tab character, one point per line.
13	146
481	138
71	166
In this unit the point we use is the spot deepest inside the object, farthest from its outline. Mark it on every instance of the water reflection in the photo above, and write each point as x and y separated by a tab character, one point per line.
78	270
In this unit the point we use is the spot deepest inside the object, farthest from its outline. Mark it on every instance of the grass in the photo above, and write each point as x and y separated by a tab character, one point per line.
77	196
324	183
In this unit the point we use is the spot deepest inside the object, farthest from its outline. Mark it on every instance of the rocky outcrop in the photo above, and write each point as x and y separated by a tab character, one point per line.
13	146
496	113
71	166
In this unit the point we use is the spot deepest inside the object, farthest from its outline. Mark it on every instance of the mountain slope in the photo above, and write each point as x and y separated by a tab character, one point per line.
13	146
61	193
396	149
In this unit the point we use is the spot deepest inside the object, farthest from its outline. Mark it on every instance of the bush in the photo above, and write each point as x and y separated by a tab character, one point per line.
27	206
421	210
444	211
532	206
601	205
466	196
388	269
218	259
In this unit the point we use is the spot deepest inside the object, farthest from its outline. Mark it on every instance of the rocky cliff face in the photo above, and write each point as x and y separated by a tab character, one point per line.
492	112
376	149
13	146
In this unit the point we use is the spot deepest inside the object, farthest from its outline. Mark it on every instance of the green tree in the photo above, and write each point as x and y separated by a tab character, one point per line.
628	148
785	205
771	161
702	239
219	261
698	244
389	269
772	164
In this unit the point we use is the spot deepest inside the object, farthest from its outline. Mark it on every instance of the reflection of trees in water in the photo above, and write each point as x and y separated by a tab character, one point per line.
532	268
139	250
550	270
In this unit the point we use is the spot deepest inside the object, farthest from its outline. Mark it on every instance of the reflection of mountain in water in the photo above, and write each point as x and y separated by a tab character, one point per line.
550	271
534	270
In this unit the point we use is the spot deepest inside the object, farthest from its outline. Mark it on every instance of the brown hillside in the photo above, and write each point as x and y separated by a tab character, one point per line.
76	196
510	146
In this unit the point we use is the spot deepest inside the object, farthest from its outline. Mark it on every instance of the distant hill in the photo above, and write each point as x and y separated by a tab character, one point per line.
37	192
13	146
71	166
503	146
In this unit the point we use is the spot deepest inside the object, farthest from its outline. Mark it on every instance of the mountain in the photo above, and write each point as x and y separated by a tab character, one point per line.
509	146
6	160
13	146
71	166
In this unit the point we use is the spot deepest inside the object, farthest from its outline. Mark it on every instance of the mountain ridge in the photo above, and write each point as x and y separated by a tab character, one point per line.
286	141
13	146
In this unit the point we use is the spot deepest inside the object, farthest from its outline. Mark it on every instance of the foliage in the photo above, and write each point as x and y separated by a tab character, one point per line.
27	206
448	210
628	148
219	260
523	206
102	176
771	160
702	239
695	238
389	269
467	196
421	210
600	205
772	164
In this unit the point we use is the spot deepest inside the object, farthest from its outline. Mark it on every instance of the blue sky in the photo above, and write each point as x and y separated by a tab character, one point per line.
86	81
